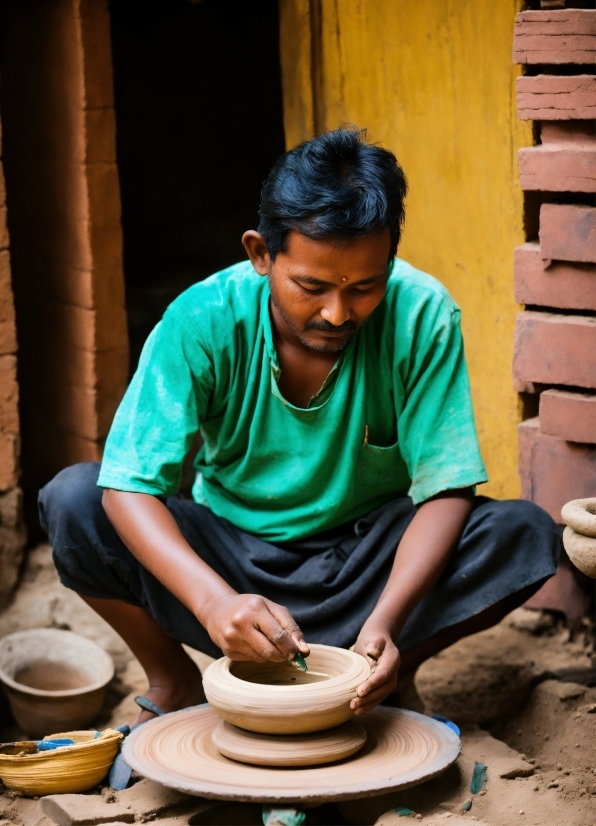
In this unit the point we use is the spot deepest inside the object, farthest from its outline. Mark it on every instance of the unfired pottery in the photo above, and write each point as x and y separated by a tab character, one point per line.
275	698
73	768
311	749
53	679
403	748
579	537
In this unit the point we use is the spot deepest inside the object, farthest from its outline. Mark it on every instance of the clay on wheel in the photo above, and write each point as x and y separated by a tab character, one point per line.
312	749
276	698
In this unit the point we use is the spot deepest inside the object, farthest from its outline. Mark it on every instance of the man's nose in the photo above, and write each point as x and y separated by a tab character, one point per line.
335	310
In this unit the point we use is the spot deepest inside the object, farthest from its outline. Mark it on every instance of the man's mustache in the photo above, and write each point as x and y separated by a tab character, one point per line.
348	326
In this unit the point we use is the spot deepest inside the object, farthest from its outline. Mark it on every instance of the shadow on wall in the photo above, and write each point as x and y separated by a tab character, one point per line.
199	124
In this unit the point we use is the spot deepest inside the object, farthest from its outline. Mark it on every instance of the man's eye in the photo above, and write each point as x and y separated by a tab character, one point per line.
315	290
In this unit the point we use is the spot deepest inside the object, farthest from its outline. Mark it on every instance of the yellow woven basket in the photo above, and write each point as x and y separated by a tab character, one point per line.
73	768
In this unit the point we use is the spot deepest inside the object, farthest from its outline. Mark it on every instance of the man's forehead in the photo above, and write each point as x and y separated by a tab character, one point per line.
370	252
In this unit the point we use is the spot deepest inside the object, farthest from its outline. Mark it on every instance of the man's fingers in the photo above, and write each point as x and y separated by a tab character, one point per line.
374	697
244	656
382	673
294	641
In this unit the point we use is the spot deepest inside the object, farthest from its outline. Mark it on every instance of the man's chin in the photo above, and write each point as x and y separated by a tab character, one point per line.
328	346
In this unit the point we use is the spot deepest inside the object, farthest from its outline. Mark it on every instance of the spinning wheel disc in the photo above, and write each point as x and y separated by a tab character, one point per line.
402	749
311	749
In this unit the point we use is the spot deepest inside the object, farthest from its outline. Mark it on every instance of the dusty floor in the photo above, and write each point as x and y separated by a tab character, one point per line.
516	690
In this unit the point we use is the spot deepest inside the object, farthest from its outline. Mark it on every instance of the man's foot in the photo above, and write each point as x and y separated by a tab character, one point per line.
187	690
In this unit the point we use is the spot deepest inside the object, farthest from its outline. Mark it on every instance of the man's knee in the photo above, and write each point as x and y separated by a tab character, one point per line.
70	498
519	522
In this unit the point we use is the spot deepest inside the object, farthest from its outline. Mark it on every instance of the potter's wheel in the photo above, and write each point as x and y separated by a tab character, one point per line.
312	749
403	748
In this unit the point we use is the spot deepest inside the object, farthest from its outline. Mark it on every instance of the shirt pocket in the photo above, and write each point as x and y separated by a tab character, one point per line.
379	465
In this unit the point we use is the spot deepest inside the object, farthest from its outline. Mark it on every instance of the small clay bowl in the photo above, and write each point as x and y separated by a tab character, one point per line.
53	679
65	770
276	698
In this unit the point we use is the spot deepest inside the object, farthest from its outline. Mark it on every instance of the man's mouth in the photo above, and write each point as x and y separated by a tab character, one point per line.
325	327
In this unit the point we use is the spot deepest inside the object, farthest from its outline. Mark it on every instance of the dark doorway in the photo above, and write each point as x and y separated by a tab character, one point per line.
199	123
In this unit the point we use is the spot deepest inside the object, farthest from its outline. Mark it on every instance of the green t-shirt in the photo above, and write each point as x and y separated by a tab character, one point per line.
393	417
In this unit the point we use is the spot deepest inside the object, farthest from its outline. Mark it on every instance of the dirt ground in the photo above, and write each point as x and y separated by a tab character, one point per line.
518	691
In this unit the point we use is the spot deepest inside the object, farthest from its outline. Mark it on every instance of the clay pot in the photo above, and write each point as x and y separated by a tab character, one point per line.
579	537
276	698
72	769
53	679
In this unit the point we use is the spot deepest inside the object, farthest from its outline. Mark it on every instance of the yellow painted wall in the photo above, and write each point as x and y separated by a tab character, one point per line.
433	81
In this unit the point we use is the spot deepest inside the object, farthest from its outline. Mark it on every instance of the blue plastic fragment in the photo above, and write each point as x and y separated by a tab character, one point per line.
50	745
479	776
447	722
403	812
466	805
273	816
125	729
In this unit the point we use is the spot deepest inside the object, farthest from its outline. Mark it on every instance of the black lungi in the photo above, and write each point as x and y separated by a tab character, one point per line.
329	582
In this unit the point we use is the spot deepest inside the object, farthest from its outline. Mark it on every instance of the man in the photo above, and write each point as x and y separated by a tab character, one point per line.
334	498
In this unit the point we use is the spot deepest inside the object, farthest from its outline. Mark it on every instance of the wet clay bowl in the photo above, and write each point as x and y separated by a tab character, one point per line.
53	679
69	769
276	698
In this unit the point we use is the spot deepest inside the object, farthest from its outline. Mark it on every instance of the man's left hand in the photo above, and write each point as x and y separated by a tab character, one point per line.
374	642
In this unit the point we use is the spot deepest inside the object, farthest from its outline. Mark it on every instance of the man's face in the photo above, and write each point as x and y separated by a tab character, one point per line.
323	291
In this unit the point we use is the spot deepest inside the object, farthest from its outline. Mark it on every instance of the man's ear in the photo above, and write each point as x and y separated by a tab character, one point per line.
257	250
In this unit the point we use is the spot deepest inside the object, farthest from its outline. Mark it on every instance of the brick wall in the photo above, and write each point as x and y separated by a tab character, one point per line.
555	343
12	535
64	218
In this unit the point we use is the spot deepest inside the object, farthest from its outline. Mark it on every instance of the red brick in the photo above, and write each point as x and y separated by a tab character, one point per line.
104	195
74	409
566	36
8	337
555	349
568	232
556	97
570	416
9	460
100	129
68	285
97	54
551	168
552	284
552	470
2	186
9	395
3	229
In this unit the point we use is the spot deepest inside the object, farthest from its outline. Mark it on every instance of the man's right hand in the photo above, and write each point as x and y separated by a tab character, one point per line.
250	627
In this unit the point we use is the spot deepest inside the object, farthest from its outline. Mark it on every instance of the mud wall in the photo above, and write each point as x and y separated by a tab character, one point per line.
12	534
435	83
64	220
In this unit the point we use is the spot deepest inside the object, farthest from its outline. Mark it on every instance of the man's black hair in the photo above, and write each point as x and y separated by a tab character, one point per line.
333	186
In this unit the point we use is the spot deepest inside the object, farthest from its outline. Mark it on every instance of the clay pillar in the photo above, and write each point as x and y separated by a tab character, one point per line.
64	217
12	534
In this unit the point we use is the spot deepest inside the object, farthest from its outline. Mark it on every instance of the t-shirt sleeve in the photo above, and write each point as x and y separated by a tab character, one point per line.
160	412
436	427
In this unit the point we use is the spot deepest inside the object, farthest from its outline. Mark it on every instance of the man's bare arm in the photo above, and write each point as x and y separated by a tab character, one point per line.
244	626
421	556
